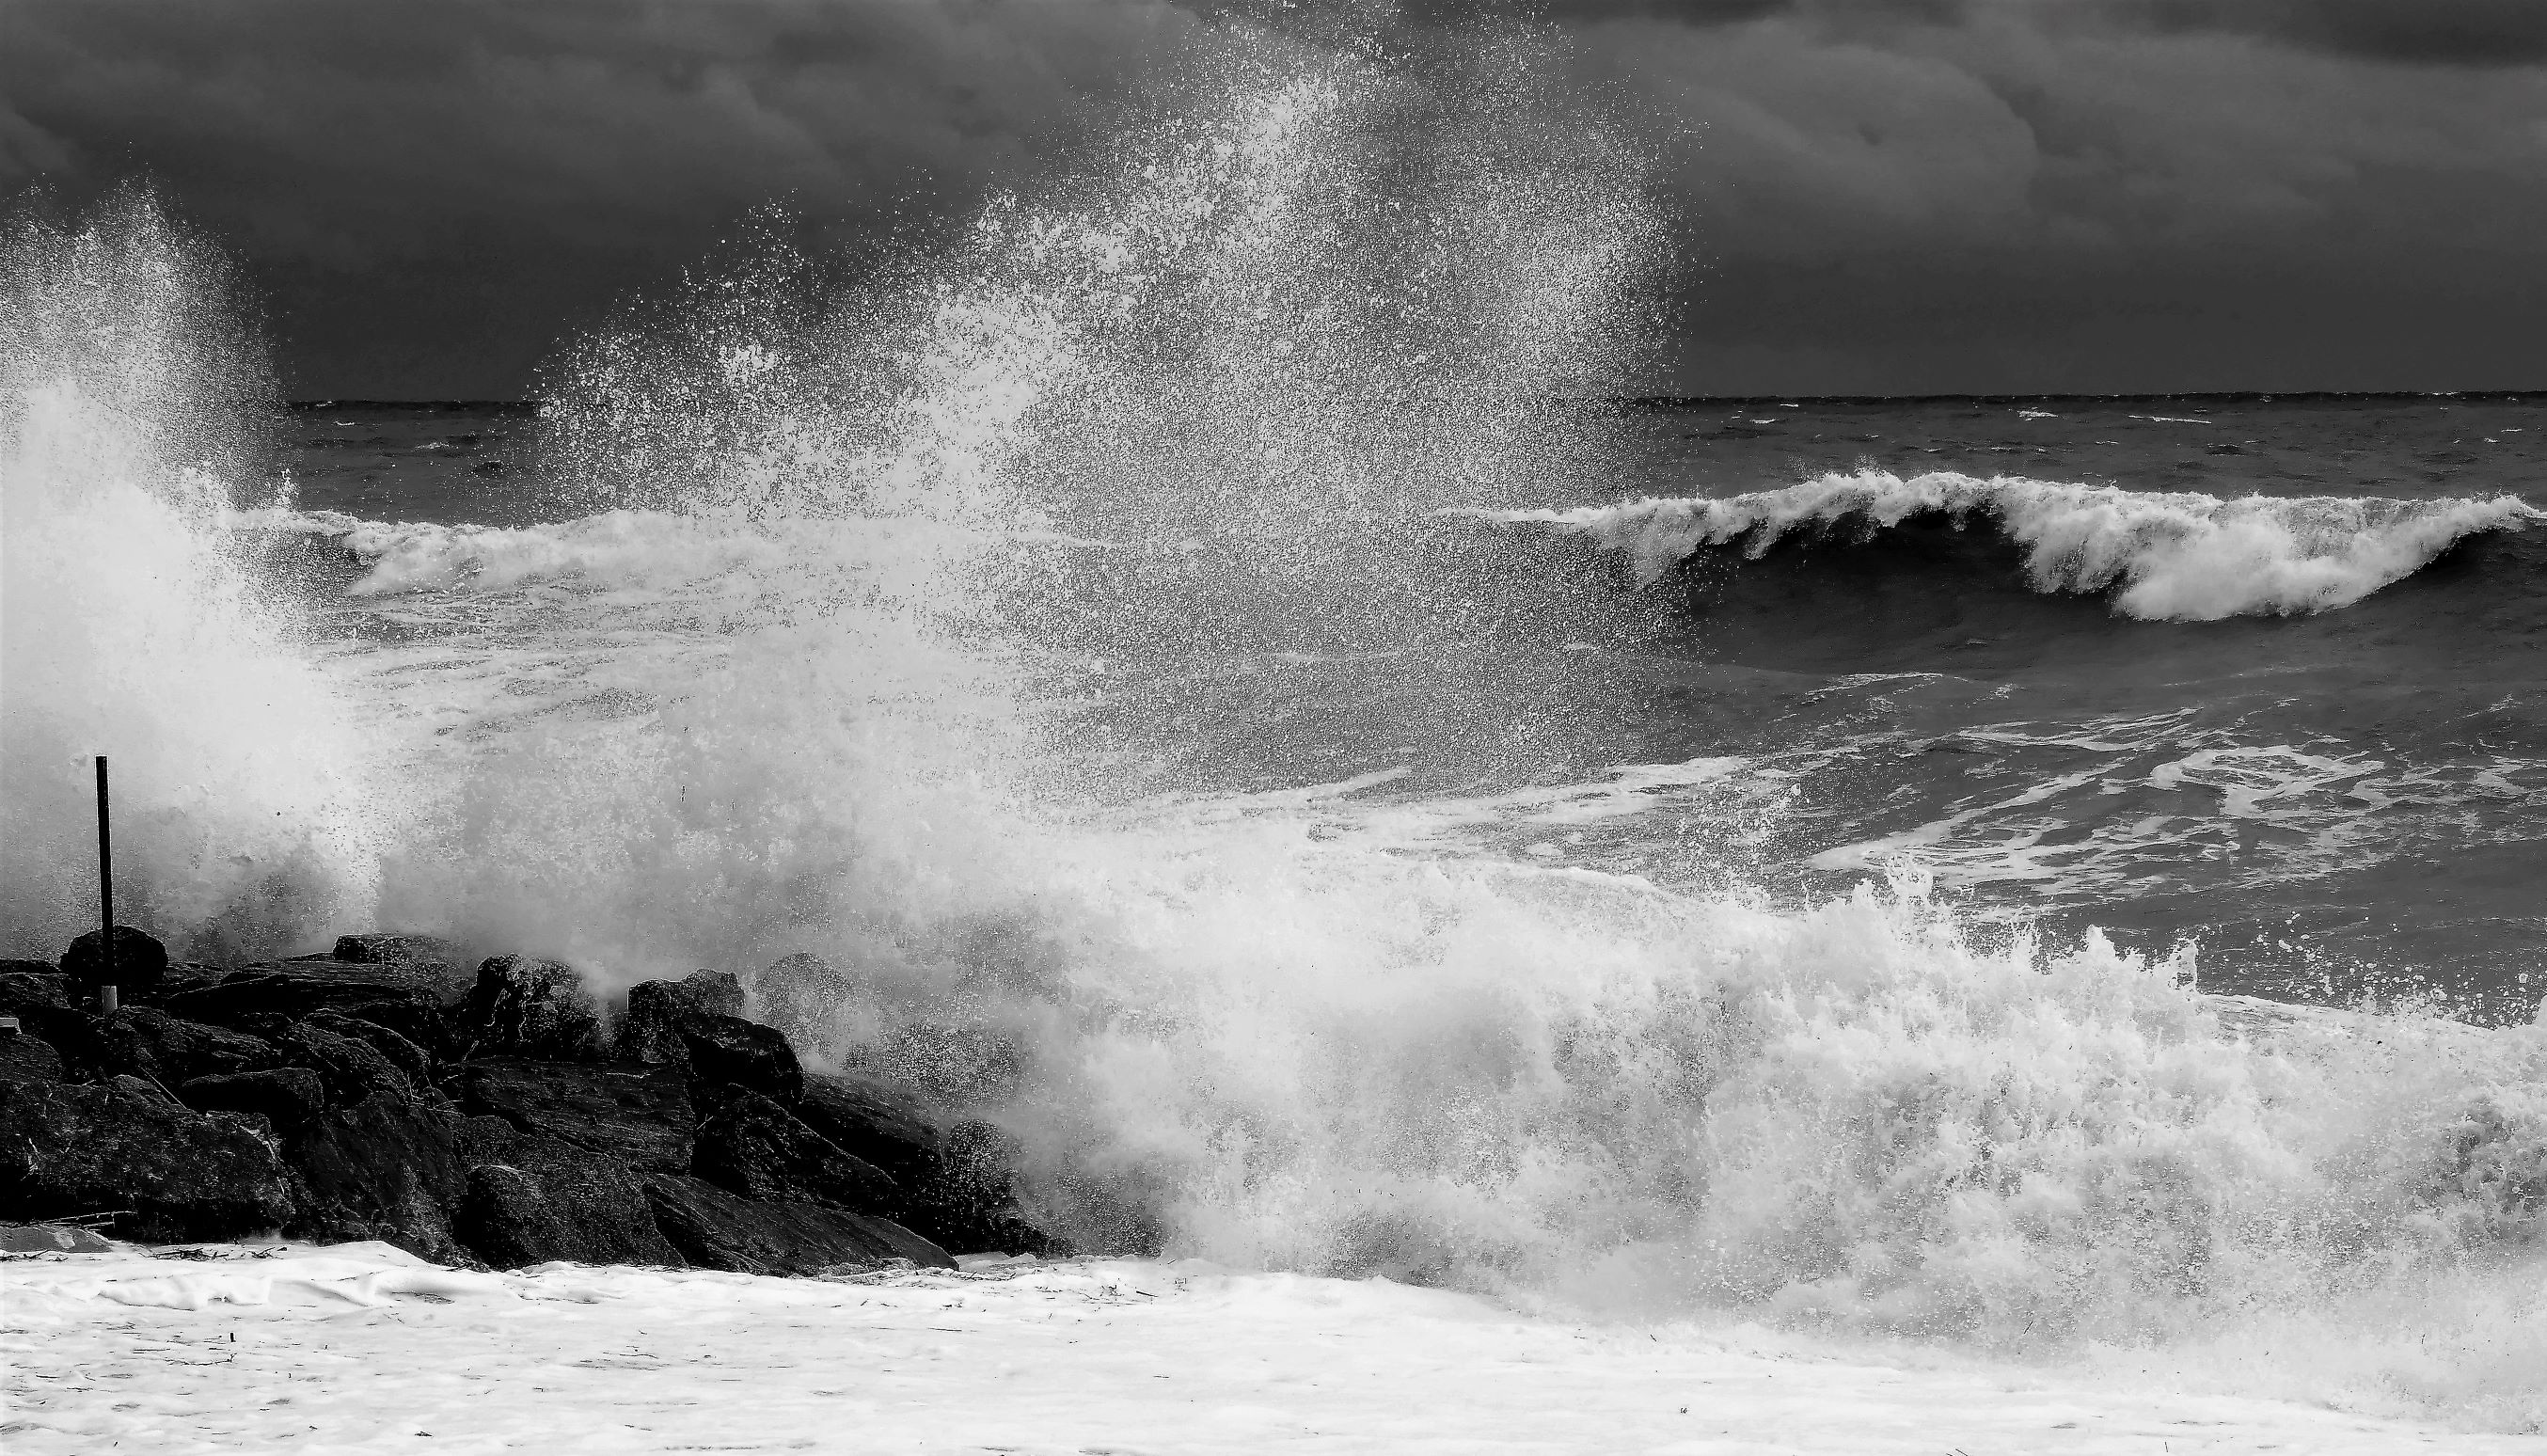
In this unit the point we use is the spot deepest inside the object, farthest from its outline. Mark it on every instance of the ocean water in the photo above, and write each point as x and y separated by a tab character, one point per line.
1241	705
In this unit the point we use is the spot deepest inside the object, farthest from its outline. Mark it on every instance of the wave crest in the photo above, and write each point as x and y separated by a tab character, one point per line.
2174	557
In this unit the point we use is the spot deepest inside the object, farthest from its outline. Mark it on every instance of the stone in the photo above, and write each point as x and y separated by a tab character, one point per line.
28	1059
384	1168
547	1199
426	962
349	1066
755	1148
182	977
649	1030
638	1114
139	961
51	1238
957	1186
715	1230
416	1062
26	984
728	1052
523	1006
293	990
168	1174
147	1042
286	1096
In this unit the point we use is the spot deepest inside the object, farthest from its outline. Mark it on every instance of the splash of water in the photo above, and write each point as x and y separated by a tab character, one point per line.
129	389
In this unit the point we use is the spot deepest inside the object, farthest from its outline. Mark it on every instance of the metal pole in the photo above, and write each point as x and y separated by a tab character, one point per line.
104	898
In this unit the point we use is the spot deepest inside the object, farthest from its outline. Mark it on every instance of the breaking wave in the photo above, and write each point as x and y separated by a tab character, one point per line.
2165	557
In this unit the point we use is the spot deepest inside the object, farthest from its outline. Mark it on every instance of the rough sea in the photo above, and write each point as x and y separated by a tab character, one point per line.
1211	664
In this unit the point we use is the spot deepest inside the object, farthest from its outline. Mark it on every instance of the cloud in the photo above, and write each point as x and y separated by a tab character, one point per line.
1877	194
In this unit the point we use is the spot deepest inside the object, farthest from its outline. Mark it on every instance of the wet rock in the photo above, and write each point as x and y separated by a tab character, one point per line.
30	984
536	1198
425	962
715	1230
650	1029
523	1006
384	1168
139	961
638	1114
957	1185
182	977
411	1060
169	1173
147	1042
757	1149
350	1066
293	990
49	1239
287	1097
27	1059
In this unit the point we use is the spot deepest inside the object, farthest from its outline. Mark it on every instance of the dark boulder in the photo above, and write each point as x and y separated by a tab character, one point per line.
25	1057
24	983
169	1174
522	1006
415	1061
292	990
139	961
424	962
349	1066
640	1115
146	1042
757	1149
182	977
728	1052
958	1184
715	1230
649	1028
385	1167
287	1097
532	1198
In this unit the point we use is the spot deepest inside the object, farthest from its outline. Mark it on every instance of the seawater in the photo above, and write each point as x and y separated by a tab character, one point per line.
1239	706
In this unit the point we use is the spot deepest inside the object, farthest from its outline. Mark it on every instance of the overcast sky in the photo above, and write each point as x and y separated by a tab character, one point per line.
1891	197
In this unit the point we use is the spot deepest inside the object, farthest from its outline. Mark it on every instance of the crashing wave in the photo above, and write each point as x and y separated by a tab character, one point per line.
2174	557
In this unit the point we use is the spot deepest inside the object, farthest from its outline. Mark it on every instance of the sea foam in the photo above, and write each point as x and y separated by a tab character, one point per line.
2165	557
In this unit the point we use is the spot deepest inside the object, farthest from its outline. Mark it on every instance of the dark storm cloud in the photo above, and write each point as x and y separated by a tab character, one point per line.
1879	195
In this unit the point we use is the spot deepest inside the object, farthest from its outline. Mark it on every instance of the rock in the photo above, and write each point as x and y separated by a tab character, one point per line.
384	1167
649	1031
144	1086
638	1114
547	1199
522	1006
28	1059
139	961
147	1042
715	1230
293	990
286	1096
413	1061
423	961
182	977
51	1238
26	984
757	1149
349	1066
957	1187
728	1052
170	1175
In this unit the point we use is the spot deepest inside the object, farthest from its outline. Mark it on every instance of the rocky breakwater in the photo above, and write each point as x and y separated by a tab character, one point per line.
499	1116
